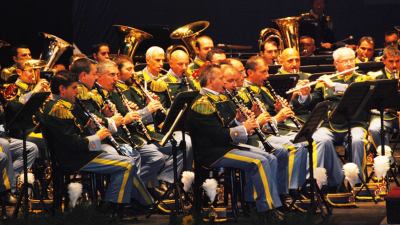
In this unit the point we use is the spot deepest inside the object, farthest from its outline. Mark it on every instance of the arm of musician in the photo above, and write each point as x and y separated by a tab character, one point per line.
41	86
25	97
238	134
283	114
340	88
94	142
146	115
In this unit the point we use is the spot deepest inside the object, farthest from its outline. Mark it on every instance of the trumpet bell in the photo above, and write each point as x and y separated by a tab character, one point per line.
289	27
56	48
188	34
133	37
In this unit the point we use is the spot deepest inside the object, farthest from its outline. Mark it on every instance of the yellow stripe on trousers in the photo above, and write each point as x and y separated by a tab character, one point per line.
126	165
314	155
261	171
292	153
145	195
6	180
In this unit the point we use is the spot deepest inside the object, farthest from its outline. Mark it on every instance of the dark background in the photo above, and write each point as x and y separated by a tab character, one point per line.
86	22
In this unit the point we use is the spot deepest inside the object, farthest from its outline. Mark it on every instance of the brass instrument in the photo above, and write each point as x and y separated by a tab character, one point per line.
140	122
239	105
133	37
288	36
255	100
56	48
278	98
188	34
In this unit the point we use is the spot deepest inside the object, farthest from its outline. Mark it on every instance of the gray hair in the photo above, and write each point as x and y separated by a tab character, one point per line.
343	51
154	50
102	66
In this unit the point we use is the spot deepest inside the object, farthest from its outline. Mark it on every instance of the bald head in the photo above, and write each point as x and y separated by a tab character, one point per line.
290	60
179	62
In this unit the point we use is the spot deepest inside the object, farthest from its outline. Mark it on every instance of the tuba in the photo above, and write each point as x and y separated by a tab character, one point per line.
56	48
188	34
132	38
288	36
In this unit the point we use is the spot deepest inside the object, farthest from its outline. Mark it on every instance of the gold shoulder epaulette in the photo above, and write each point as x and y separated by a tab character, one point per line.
362	78
62	110
255	89
95	96
243	95
121	86
83	92
158	86
203	106
22	85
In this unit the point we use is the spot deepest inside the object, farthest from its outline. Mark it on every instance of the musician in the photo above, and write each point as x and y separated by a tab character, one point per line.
270	52
332	132
76	151
290	61
101	52
296	156
19	53
216	56
214	134
318	25
391	60
365	49
307	46
238	65
204	44
391	38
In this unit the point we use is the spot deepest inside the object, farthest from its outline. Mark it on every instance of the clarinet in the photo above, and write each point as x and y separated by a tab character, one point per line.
110	104
263	109
267	146
99	126
140	122
145	92
277	98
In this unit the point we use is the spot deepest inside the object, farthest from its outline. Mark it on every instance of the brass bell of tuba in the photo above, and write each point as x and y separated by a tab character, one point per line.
56	48
133	37
287	37
188	34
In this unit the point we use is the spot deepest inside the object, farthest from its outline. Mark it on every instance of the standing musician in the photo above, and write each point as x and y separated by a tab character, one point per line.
334	132
391	60
204	44
215	131
296	155
77	151
290	61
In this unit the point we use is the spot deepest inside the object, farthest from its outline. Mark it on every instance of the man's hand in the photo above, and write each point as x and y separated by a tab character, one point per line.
264	118
283	114
131	116
103	133
41	86
118	119
250	125
326	45
107	111
305	91
325	79
154	105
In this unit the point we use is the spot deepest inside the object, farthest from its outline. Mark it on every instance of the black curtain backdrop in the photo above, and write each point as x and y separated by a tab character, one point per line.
85	22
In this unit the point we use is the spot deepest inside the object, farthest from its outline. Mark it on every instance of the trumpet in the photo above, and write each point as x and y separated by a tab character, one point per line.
267	146
278	98
261	106
315	82
140	122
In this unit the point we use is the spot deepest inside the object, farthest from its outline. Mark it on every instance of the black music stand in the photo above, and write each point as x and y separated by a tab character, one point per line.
354	101
305	134
23	121
175	122
283	82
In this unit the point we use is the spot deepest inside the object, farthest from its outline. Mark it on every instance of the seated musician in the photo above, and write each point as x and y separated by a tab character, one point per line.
335	132
19	54
270	52
75	151
307	46
216	56
391	60
204	44
101	52
290	61
214	134
365	50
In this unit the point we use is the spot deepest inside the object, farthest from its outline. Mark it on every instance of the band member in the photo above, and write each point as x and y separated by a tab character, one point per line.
332	132
290	61
19	54
214	135
216	56
391	38
155	57
270	52
365	49
391	60
204	44
76	151
307	46
101	52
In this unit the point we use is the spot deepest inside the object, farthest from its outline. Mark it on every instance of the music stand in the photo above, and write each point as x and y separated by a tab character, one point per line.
354	101
175	122
23	120
283	82
305	134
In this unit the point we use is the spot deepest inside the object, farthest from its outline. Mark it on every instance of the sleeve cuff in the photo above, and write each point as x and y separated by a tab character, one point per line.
238	134
24	98
303	98
94	143
340	87
147	117
111	125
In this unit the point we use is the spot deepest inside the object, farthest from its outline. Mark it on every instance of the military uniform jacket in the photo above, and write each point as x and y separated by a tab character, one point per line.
72	149
302	76
262	93
211	123
195	65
